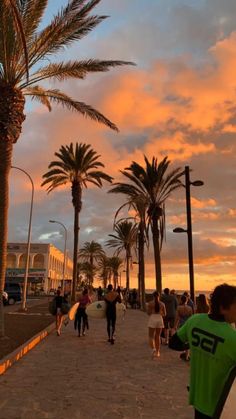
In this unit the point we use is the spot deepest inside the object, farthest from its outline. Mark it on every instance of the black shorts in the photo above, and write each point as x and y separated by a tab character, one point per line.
169	322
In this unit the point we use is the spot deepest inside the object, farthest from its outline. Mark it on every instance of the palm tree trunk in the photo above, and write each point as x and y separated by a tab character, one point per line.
157	253
75	254
6	148
77	203
141	267
127	269
11	118
91	263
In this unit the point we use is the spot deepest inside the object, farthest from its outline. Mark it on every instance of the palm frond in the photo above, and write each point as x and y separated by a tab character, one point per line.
56	96
17	19
32	13
37	93
72	69
71	24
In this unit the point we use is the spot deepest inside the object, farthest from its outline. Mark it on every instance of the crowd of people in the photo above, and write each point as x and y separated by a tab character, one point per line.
202	330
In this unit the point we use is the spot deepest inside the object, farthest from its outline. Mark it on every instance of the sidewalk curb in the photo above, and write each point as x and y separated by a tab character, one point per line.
22	350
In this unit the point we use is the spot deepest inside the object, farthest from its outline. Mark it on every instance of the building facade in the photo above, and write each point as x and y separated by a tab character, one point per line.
45	266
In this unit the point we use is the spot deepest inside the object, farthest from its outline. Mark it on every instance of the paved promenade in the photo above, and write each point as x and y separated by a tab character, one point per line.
85	378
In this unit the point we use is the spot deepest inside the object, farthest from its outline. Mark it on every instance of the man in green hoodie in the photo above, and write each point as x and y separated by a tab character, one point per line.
212	342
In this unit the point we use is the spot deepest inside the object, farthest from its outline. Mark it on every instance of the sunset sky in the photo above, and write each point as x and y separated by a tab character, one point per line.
179	101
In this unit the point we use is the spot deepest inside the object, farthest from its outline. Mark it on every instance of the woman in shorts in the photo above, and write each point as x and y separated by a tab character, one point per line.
59	315
156	311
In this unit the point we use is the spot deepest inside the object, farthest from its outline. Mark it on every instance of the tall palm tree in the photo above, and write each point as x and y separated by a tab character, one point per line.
124	240
140	204
78	166
91	252
153	185
89	271
114	264
105	271
26	53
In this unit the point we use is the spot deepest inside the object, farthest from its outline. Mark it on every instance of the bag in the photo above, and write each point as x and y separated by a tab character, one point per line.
65	308
52	307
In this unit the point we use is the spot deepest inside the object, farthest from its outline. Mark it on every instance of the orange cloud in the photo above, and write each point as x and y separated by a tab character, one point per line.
197	203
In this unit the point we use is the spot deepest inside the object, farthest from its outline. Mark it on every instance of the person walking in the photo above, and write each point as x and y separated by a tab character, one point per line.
156	311
59	299
100	293
183	312
212	341
171	305
81	317
190	302
202	304
112	298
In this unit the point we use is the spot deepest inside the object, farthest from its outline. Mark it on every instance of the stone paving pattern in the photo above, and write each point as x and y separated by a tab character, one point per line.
85	378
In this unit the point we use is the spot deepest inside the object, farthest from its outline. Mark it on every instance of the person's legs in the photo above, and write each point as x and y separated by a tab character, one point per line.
85	321
157	341
166	330
60	321
113	326
172	323
151	337
79	322
109	327
57	322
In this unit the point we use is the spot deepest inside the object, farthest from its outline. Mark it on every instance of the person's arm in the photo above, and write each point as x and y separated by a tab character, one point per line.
177	344
163	310
179	341
176	320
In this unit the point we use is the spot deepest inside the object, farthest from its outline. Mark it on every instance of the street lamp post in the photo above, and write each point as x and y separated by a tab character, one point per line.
28	240
64	261
189	228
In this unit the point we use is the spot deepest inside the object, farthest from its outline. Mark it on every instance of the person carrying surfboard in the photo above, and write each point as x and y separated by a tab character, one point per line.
111	298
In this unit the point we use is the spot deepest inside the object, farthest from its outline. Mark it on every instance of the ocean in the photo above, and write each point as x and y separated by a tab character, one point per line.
180	292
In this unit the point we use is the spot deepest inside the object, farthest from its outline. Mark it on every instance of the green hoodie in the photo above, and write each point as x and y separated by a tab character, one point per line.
213	355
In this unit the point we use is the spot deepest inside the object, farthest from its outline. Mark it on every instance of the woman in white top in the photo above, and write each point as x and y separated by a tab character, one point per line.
156	311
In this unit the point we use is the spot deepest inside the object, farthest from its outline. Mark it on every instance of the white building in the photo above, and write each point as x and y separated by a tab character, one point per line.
45	265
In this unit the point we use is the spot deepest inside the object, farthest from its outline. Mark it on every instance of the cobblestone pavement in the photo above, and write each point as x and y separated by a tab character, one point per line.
85	378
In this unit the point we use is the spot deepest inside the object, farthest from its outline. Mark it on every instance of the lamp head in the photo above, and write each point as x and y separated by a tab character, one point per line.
51	221
197	183
179	230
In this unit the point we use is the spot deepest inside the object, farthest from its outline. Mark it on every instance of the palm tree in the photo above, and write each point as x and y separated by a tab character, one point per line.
124	240
89	271
114	264
105	271
26	53
152	185
139	204
91	252
78	166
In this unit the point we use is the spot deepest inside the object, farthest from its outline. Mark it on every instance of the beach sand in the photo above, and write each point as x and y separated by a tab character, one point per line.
84	378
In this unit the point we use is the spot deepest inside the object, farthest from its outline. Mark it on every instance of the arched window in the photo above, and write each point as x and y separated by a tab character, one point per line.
11	260
39	261
22	261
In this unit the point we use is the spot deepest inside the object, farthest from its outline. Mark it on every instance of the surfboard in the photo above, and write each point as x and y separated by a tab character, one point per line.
72	311
97	310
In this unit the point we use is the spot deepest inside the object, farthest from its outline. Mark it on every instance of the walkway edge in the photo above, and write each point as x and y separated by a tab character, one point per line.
22	350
